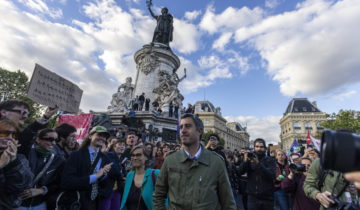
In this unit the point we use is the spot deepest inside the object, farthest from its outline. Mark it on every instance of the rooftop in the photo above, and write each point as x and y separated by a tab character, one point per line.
301	105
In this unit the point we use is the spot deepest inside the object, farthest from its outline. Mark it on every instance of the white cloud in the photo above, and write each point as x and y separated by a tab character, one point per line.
272	3
186	37
41	7
230	19
224	39
199	77
190	16
342	96
309	50
267	128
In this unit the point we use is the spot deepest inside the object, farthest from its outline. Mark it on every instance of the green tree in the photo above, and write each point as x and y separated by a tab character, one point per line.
345	119
14	85
206	136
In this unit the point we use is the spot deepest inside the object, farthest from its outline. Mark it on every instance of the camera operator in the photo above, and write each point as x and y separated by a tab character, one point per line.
261	175
293	184
322	184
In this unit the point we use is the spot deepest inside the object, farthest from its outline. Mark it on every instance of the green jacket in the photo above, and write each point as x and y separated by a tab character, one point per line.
332	179
199	184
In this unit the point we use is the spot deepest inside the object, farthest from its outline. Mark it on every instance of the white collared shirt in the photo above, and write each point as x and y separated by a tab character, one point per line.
196	156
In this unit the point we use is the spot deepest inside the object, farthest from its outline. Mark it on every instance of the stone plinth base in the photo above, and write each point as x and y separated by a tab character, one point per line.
166	127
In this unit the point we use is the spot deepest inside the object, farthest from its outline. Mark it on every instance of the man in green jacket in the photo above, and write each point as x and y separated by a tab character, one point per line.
332	183
193	177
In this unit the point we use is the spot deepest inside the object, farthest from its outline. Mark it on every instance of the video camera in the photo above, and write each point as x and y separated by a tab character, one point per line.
251	155
297	168
340	151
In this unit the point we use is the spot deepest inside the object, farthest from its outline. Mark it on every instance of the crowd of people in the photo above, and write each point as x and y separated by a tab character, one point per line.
46	168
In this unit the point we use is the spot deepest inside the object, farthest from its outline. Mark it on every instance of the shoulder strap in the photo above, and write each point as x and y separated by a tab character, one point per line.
37	178
93	165
322	177
153	176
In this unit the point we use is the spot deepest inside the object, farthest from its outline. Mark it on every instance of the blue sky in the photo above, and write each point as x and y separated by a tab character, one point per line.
249	57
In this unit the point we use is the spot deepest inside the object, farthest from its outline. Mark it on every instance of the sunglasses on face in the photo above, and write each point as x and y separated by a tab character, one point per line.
21	112
136	155
259	147
50	139
12	134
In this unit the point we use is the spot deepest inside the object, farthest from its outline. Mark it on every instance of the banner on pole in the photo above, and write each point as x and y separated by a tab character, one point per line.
81	122
50	89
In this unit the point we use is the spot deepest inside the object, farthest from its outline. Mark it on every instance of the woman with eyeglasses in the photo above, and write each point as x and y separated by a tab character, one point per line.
15	174
140	182
47	168
294	185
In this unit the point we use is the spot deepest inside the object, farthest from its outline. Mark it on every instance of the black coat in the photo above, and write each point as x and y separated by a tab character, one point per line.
118	171
260	178
14	179
50	179
76	177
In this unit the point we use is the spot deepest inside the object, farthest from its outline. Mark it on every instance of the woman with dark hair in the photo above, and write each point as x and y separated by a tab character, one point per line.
47	167
159	158
150	150
116	150
282	170
15	174
140	182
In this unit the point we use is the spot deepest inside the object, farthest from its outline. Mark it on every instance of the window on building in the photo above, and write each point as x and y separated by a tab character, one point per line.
304	109
318	126
308	126
296	125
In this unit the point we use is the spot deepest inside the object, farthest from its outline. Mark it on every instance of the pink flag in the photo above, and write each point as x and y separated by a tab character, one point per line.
81	122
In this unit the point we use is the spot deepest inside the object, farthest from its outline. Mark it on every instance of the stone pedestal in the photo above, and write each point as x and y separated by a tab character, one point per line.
156	64
167	127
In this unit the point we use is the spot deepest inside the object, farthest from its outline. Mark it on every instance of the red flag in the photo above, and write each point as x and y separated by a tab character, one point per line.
308	138
81	122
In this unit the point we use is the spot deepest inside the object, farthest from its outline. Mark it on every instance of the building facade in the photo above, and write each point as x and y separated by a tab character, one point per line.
234	135
300	117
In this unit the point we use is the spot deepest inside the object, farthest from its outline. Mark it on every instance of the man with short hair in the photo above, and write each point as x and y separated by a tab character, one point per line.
212	145
18	112
193	177
87	170
260	171
66	141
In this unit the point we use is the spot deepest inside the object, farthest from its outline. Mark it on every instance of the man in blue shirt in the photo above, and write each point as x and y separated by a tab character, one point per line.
87	170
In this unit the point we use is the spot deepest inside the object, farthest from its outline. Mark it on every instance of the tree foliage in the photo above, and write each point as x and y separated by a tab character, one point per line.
14	85
345	119
206	136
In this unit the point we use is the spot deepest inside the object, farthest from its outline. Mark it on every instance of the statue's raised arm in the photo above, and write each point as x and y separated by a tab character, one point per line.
149	4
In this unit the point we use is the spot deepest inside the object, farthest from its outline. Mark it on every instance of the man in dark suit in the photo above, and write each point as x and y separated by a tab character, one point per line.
87	170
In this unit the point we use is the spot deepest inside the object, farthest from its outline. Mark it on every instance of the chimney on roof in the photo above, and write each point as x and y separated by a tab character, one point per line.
314	103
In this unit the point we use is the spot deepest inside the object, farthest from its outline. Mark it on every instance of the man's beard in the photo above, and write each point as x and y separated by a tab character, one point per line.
260	154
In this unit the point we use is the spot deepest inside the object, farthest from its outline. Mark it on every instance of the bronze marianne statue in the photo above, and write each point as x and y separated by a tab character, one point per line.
164	29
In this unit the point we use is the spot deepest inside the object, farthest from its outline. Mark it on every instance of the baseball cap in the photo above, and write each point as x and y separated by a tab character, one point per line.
100	129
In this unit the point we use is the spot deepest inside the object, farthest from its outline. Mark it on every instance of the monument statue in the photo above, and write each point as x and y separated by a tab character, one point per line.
121	99
164	29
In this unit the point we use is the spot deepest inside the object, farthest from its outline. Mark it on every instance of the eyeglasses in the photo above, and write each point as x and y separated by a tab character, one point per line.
213	138
21	112
12	134
136	155
259	147
49	139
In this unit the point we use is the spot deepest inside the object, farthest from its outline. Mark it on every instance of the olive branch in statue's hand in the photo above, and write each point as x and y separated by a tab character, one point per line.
149	3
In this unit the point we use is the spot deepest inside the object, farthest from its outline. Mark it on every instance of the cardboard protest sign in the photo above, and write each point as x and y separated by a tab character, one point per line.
50	89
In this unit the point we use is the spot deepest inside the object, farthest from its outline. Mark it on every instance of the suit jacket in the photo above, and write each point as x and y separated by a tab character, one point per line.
76	177
148	188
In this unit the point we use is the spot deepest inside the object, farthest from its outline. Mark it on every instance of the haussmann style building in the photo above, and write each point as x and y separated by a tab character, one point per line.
234	135
300	116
